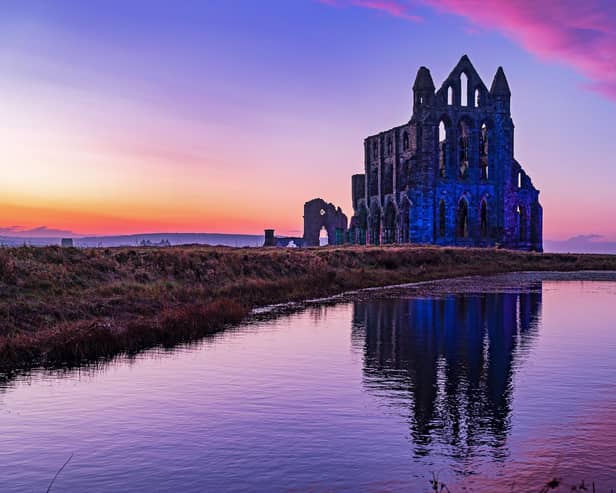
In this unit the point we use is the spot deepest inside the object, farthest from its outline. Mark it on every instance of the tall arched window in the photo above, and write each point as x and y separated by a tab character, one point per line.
375	150
483	151
390	146
521	220
374	222
405	140
484	218
442	131
462	226
463	150
442	218
463	89
450	95
404	222
442	149
389	226
477	98
519	179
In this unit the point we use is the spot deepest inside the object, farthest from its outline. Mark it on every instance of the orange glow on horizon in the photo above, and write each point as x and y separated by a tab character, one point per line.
90	222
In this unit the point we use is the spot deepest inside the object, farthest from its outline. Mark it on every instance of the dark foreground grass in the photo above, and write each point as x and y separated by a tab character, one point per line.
64	306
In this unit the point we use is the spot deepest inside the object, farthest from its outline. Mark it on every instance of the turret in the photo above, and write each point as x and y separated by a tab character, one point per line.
500	91
423	89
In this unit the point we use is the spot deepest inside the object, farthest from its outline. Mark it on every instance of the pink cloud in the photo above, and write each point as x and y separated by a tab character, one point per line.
580	34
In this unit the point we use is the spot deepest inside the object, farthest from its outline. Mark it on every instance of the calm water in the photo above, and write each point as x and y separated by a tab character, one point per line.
486	387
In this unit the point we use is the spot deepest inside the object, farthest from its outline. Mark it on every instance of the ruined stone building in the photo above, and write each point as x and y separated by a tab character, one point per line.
318	215
449	175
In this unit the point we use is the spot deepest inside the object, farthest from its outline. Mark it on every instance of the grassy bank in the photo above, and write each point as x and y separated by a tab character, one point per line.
68	305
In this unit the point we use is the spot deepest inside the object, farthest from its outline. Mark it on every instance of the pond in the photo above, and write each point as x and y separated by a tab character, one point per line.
492	384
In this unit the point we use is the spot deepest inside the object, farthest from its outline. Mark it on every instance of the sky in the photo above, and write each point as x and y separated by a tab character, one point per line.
227	115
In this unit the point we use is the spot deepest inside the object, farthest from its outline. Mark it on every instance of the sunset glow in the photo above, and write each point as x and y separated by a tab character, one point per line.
131	117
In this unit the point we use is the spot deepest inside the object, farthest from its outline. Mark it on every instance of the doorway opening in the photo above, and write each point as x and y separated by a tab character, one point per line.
323	237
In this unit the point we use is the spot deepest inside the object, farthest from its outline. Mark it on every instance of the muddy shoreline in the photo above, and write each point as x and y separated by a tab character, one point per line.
495	283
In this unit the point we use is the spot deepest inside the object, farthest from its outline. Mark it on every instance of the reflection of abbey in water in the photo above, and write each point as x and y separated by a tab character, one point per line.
451	359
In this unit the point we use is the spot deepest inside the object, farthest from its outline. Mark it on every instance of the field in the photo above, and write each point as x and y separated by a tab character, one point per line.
63	306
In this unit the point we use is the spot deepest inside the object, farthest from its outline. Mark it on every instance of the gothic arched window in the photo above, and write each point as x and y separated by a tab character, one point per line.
405	219
483	151
442	218
389	224
405	141
462	226
442	149
463	148
463	89
521	220
450	95
484	218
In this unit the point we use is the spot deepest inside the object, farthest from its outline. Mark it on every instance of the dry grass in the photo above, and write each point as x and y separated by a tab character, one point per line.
61	306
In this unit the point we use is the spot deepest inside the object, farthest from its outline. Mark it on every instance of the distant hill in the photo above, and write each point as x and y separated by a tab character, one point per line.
216	239
578	244
581	244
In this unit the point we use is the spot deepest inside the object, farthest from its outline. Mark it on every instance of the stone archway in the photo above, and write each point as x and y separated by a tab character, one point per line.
389	223
462	226
374	224
404	221
319	214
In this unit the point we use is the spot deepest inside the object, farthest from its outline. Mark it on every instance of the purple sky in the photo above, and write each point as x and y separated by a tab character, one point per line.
122	117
